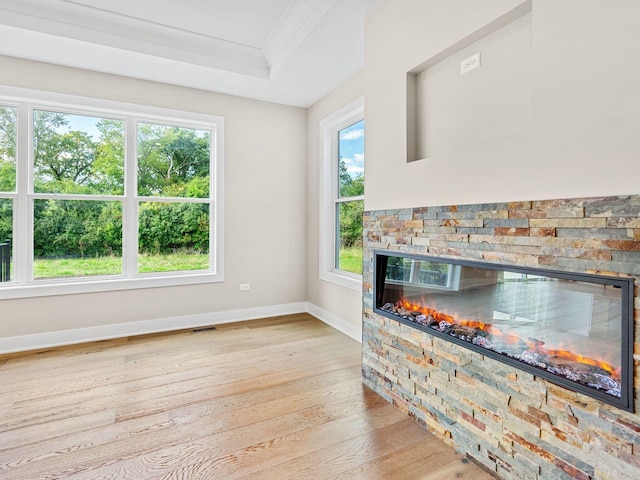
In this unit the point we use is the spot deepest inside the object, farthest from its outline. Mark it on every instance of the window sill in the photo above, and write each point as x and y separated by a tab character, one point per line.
78	286
344	279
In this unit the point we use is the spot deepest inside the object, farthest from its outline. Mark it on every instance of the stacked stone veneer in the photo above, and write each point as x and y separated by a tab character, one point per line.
516	424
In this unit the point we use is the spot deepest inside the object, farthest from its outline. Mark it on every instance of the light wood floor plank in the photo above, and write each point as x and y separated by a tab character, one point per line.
278	398
334	460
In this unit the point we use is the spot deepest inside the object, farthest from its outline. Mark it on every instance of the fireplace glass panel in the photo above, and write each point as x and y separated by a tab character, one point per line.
570	327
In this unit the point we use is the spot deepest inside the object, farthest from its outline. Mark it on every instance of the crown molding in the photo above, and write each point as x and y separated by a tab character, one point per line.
313	47
295	25
93	25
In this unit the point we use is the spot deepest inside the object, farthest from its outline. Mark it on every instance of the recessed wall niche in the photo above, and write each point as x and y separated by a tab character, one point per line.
449	112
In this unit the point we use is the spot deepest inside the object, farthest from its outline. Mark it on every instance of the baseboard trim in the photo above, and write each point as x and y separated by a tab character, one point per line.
340	324
60	338
106	332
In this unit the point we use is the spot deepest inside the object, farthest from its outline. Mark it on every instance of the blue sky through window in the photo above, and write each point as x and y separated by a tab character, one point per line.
84	124
351	148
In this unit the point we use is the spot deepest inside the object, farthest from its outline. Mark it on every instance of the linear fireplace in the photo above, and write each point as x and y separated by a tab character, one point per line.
572	329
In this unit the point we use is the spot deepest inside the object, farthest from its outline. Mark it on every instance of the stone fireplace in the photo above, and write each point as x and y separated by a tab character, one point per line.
528	411
572	329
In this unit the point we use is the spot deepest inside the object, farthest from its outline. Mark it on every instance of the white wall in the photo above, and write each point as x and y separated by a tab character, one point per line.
339	306
265	208
585	104
455	112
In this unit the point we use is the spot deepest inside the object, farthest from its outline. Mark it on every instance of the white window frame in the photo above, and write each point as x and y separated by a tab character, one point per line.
22	284
329	198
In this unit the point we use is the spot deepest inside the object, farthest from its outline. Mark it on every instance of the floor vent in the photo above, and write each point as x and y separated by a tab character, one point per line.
202	329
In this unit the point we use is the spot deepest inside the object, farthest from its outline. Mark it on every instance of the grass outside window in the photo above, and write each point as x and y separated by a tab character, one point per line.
112	265
351	259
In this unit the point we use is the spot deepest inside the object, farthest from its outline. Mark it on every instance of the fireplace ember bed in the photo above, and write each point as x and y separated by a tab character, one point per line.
574	330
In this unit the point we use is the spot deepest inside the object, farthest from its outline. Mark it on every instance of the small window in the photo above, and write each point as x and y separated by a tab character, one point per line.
350	200
174	167
78	161
342	193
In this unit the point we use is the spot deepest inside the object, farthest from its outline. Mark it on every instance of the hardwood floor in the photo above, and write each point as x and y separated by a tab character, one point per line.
278	398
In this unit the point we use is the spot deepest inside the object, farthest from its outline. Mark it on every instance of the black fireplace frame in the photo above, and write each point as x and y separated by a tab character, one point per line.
626	285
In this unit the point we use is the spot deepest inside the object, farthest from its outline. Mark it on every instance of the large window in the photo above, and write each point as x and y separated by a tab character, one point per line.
342	187
97	195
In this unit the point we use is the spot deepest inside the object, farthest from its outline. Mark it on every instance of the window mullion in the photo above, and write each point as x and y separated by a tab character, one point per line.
130	207
23	209
215	235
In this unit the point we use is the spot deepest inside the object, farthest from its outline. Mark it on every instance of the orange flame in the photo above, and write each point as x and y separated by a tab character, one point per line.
574	357
510	338
474	324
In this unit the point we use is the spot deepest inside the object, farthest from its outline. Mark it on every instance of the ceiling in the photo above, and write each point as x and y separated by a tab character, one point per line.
285	51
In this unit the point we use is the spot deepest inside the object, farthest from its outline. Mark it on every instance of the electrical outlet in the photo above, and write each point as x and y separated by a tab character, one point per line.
245	286
470	63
